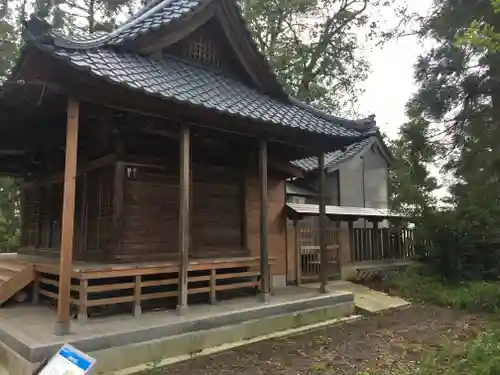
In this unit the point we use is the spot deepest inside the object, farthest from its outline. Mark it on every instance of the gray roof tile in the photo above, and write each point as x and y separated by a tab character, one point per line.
190	83
155	15
335	157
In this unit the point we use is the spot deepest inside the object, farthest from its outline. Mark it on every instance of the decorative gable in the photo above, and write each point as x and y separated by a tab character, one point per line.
208	45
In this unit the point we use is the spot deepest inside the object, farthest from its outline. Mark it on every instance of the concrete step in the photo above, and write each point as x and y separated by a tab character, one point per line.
134	359
369	300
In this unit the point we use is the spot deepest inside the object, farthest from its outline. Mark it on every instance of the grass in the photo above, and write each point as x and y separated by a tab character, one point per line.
474	296
476	356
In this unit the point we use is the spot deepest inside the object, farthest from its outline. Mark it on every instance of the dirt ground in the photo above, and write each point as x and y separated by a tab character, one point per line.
381	344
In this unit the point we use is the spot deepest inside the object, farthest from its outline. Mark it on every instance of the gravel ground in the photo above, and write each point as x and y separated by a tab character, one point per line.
382	344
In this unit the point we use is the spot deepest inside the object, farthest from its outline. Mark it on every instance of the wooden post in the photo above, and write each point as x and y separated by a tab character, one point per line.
213	286
298	260
119	182
377	254
35	298
184	218
137	295
264	250
82	308
68	220
322	226
84	213
352	248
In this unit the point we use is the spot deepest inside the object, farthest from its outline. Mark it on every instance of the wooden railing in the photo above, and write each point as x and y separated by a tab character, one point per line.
310	252
152	286
369	244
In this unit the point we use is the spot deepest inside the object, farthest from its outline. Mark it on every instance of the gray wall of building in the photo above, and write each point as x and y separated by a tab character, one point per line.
361	181
364	182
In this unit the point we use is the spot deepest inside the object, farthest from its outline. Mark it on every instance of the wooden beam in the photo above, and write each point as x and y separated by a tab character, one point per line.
322	225
68	220
264	250
184	216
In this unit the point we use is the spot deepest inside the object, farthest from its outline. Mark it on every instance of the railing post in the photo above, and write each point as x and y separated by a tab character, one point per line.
213	284
82	302
35	298
137	295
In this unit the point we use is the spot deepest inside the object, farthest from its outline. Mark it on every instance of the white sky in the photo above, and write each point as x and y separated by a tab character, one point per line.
391	83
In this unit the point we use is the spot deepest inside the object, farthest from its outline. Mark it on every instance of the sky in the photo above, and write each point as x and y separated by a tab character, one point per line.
390	84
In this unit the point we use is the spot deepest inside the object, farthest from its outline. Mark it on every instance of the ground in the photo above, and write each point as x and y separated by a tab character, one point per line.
380	344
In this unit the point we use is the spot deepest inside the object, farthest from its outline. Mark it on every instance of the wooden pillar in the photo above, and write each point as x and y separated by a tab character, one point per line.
298	260
119	183
184	217
68	220
264	250
322	226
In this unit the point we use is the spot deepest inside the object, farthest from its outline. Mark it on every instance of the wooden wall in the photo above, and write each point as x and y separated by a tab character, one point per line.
225	215
276	218
41	212
151	212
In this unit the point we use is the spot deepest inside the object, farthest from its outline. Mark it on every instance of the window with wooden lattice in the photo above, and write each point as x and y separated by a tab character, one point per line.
202	48
208	45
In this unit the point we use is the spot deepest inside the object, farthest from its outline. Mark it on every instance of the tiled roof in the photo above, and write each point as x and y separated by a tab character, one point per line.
108	56
155	15
187	82
333	158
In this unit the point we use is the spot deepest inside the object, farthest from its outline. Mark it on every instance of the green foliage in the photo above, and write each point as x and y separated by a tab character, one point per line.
411	186
459	94
480	356
472	296
482	34
313	45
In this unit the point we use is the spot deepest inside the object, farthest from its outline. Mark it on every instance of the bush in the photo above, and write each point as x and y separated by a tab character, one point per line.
465	295
461	244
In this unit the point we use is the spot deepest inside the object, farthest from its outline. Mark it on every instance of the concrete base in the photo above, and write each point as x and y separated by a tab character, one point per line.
127	342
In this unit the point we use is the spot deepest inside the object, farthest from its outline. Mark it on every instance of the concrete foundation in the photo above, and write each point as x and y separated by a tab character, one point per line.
121	342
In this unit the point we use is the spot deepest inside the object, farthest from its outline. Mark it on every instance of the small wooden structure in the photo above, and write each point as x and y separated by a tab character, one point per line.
158	152
347	249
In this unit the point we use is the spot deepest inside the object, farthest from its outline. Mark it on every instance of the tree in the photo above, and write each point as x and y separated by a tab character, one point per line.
87	16
459	91
482	34
313	45
411	187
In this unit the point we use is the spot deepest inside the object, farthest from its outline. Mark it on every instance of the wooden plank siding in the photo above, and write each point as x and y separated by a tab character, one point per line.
276	218
225	214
